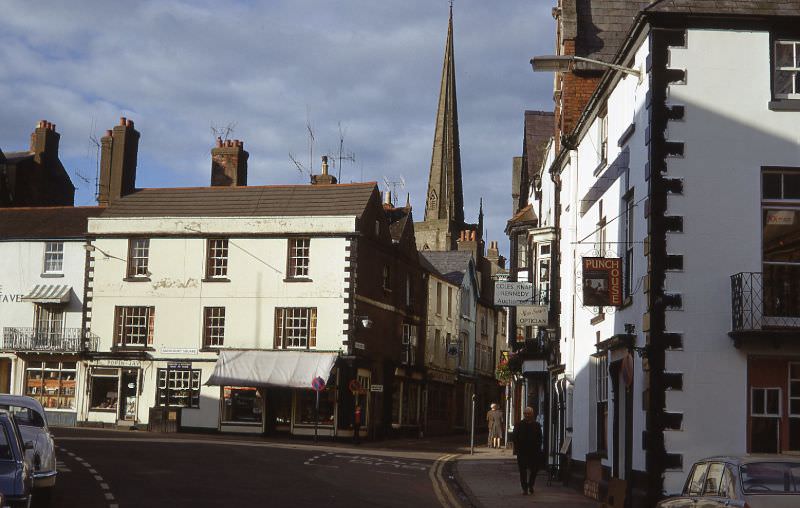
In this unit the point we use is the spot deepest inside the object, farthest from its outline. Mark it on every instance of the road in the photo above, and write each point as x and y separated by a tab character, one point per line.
117	469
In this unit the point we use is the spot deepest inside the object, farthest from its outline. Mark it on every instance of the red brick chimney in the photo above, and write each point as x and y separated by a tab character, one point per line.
229	164
118	154
44	142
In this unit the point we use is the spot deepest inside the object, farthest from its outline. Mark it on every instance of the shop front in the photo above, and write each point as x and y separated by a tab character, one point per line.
53	381
439	402
407	398
113	391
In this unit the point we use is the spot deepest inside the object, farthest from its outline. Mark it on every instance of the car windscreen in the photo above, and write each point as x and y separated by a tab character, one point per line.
771	477
25	416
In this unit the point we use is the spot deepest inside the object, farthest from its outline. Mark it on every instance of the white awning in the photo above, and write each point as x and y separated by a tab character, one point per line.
294	369
47	293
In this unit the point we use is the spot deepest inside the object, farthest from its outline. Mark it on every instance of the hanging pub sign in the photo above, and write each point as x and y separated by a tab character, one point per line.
602	282
532	315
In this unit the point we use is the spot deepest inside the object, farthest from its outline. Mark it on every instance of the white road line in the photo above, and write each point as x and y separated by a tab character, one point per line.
109	496
393	473
104	486
91	470
323	465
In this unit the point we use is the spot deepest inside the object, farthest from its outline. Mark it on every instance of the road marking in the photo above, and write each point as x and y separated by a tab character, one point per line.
393	473
98	478
322	465
440	487
109	496
103	485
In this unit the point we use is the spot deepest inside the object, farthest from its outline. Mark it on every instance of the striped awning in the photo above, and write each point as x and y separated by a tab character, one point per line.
48	293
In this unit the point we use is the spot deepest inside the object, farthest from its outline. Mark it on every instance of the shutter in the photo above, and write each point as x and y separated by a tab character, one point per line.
151	322
278	335
117	326
312	325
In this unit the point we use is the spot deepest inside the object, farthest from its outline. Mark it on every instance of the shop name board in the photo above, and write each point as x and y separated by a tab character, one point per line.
532	315
9	297
179	365
780	217
512	294
115	363
602	282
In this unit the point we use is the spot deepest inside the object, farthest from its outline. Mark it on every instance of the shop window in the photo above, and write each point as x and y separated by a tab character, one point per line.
213	326
365	381
138	257
299	257
53	257
217	258
241	404
52	384
104	389
295	328
304	407
134	326
178	388
794	407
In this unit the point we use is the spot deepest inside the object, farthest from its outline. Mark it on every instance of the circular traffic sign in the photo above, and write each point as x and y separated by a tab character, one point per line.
354	386
318	384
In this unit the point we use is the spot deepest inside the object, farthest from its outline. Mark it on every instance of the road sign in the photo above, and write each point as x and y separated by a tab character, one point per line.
179	365
318	384
355	386
512	294
502	276
532	315
376	388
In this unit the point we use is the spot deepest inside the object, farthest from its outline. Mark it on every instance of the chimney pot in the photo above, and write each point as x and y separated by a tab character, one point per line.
129	124
387	198
122	121
108	133
219	142
54	127
324	164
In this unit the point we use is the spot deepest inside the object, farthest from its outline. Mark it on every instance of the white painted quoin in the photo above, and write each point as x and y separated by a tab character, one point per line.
689	174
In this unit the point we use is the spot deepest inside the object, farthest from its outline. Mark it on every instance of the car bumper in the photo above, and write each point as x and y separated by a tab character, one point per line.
44	479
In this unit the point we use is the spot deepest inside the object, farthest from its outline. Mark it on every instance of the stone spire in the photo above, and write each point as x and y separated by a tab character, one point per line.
445	199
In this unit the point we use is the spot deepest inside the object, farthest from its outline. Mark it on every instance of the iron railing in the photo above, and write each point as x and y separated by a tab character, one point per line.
72	340
765	301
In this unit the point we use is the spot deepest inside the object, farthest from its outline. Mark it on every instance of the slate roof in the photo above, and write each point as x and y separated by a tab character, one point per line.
275	201
52	222
737	7
450	265
539	128
603	25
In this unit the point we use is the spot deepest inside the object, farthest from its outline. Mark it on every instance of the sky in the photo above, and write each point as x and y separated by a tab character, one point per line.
268	70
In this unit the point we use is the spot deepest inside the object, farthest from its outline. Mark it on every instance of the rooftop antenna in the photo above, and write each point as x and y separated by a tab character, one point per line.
96	143
337	160
223	132
301	168
393	186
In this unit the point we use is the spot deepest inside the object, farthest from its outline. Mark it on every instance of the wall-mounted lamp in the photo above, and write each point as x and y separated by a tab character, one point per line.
364	322
91	248
562	63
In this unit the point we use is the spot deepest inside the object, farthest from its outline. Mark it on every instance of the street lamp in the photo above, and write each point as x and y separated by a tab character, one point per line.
561	63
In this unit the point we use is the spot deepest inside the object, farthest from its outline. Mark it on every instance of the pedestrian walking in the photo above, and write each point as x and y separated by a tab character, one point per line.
357	424
494	419
527	439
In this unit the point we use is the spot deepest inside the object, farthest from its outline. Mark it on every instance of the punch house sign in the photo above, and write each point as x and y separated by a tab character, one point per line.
602	282
511	294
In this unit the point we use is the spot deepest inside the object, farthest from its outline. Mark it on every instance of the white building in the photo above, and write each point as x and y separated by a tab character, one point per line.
689	174
42	269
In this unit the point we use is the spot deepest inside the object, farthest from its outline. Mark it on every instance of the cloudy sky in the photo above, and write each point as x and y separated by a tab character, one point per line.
269	67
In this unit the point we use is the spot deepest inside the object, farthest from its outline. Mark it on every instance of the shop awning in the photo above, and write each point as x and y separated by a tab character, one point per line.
48	293
294	369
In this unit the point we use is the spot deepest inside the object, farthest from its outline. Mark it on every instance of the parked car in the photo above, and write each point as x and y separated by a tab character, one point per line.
16	478
751	481
32	422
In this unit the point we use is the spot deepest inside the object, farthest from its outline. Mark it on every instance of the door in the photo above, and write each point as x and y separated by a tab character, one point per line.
129	394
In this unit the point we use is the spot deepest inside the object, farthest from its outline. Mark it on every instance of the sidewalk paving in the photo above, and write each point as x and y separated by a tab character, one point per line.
490	478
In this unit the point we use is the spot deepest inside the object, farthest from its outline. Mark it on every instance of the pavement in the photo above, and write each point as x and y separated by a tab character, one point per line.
490	478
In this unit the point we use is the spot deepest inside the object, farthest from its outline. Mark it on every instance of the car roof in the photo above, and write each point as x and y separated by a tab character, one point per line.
21	401
752	458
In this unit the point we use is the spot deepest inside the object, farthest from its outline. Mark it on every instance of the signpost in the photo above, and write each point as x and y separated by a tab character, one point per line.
602	282
318	384
532	315
512	294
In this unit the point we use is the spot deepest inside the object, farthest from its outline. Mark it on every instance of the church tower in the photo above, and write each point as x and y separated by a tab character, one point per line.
444	201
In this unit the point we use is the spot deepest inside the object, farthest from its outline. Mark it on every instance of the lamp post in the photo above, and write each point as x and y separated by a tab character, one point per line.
562	63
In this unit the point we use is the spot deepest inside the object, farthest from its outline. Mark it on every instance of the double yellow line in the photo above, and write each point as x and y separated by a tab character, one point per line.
440	488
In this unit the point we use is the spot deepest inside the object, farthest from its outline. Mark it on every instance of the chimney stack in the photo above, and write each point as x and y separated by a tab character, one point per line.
44	142
324	178
229	164
387	198
118	155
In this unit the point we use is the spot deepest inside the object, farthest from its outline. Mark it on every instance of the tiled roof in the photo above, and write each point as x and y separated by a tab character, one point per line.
275	201
743	7
603	25
525	215
52	222
539	128
450	265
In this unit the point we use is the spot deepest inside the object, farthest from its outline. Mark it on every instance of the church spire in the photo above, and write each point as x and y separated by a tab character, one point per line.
445	199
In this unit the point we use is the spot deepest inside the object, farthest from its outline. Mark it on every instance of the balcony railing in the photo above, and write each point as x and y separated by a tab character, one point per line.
68	340
766	301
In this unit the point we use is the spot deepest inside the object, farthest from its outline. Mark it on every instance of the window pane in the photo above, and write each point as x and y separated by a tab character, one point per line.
784	82
784	54
713	478
794	434
758	402
781	235
773	402
771	185
794	368
727	488
791	185
696	483
795	407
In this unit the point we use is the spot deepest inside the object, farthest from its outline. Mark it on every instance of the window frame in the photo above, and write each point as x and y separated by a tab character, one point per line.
775	68
387	277
56	253
193	389
138	258
628	236
438	298
298	258
120	334
601	376
281	327
409	343
217	258
766	390
212	340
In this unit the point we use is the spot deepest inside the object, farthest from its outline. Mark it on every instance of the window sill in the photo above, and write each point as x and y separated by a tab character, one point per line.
211	349
215	279
136	279
785	105
297	279
51	275
600	167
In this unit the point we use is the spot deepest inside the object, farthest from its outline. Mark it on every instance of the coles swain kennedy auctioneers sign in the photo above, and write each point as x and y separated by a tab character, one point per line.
602	282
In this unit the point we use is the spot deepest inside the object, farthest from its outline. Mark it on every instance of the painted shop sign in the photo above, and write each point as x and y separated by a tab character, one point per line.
10	297
780	217
115	363
532	315
511	294
602	282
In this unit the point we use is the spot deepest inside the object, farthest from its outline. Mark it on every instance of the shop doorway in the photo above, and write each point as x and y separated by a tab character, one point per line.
129	394
5	375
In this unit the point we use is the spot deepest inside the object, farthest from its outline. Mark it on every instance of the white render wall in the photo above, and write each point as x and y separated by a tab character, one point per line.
729	134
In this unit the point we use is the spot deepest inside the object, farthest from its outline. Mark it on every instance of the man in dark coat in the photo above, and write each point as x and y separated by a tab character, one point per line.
527	440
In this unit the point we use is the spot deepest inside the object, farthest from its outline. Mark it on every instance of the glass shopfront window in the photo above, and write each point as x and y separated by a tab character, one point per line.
304	409
242	404
104	387
178	388
52	384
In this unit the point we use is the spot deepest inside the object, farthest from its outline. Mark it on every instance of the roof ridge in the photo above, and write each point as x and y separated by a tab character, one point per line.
278	186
